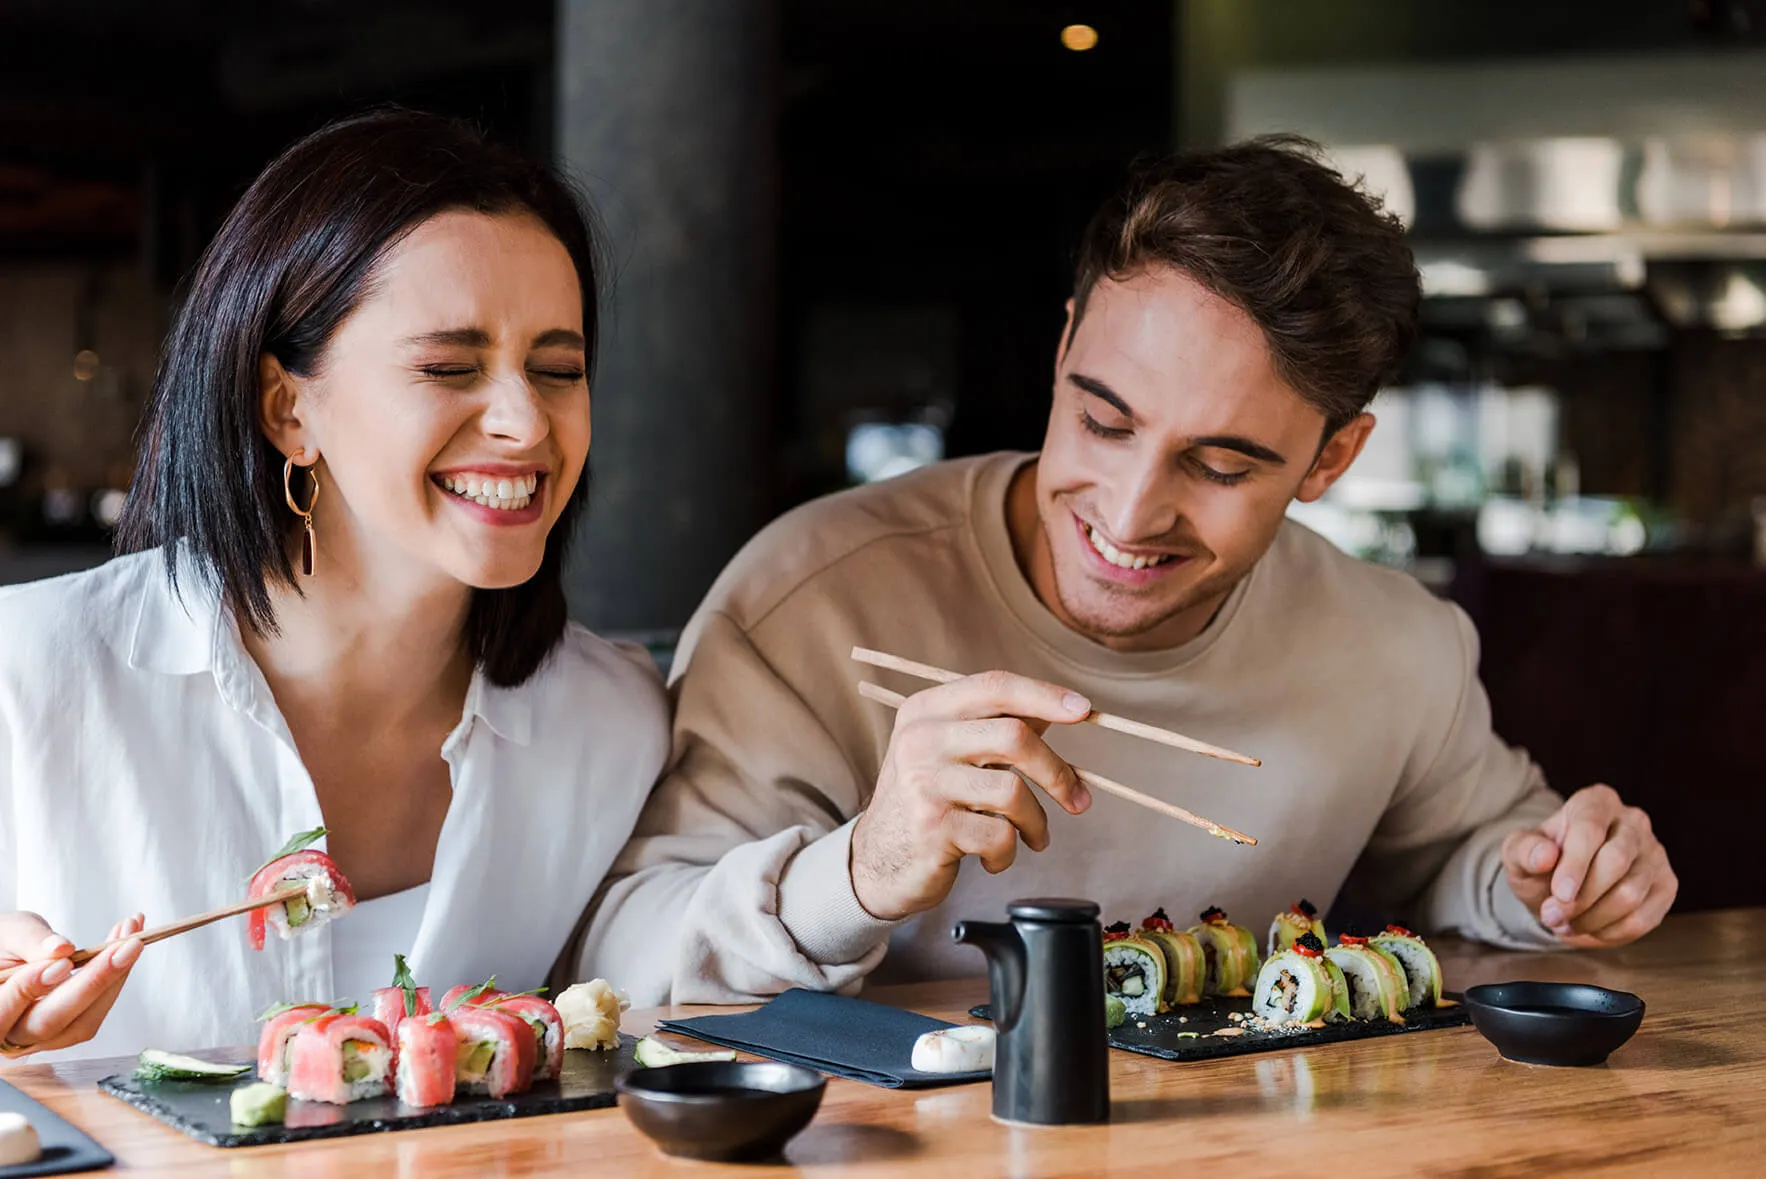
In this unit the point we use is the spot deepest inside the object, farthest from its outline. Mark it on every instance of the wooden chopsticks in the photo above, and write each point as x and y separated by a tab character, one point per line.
883	695
81	957
1120	724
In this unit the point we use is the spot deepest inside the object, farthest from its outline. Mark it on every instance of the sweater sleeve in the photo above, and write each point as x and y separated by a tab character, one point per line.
1436	855
743	847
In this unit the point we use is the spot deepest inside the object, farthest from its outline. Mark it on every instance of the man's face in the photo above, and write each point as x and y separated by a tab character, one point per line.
1172	452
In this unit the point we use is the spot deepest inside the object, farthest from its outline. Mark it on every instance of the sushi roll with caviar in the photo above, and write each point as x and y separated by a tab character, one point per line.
338	1059
428	1052
1420	967
403	999
1230	952
1301	985
493	1051
1134	971
281	1022
1287	927
327	895
1378	988
548	1031
1186	969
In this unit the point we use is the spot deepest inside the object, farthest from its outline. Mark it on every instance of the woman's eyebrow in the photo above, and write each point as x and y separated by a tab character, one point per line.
458	337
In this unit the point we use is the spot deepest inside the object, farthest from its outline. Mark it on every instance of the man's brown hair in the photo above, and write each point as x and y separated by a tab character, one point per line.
1318	263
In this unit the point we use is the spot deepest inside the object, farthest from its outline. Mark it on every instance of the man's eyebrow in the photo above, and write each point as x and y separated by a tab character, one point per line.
1103	393
1240	445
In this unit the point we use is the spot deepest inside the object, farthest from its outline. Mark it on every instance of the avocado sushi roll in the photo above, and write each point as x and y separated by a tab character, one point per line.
1301	985
1378	988
1418	961
1134	971
1230	952
1186	968
1287	927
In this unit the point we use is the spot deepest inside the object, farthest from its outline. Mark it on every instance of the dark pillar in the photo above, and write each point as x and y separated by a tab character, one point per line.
666	116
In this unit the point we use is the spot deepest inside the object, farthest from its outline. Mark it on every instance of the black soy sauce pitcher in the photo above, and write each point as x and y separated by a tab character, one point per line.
1046	971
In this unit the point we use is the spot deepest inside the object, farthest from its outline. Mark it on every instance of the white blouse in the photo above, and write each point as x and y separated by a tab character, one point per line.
145	767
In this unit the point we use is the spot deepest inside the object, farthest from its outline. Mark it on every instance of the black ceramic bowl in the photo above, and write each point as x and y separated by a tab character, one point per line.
721	1109
1554	1023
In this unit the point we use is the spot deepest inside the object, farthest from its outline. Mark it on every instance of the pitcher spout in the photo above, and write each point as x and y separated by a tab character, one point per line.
1004	947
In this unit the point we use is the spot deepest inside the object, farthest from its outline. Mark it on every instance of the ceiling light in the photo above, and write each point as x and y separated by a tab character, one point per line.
1079	38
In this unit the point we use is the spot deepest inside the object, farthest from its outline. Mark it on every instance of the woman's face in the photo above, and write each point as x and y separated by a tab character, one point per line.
451	407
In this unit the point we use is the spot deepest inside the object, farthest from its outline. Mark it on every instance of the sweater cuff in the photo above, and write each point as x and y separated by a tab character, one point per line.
1522	929
819	909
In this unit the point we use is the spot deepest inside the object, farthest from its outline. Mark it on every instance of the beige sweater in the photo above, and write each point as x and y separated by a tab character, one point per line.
1355	686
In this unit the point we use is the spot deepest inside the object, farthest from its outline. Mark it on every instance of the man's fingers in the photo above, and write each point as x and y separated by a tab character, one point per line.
1585	830
1000	693
988	838
1615	861
1528	857
998	792
1009	741
1634	907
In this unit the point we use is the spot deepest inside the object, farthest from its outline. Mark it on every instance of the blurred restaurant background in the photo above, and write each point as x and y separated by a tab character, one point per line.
842	235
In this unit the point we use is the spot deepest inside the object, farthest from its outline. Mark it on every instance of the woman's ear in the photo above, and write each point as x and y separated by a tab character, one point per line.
280	412
1339	450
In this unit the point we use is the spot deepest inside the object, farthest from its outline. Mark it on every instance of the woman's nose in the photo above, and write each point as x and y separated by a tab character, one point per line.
515	412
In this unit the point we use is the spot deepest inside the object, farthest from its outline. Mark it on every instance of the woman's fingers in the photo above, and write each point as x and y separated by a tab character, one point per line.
26	937
20	993
49	1018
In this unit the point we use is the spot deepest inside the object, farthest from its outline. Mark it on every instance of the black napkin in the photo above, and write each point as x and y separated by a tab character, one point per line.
850	1038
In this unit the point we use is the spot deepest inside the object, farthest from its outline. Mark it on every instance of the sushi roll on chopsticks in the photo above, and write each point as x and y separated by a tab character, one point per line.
1420	966
1186	968
1300	985
281	1022
328	894
1134	971
403	999
1230	951
493	1053
338	1059
1287	927
1377	985
428	1054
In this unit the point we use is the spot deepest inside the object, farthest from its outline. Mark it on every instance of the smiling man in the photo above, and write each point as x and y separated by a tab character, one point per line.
1233	314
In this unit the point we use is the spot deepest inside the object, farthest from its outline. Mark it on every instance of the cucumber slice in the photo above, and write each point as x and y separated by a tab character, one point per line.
655	1054
257	1104
155	1065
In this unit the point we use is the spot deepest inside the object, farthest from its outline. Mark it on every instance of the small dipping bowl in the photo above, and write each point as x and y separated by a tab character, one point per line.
1572	1024
721	1110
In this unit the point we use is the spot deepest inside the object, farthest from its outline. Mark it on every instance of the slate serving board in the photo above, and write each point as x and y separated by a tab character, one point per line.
201	1110
1162	1037
64	1147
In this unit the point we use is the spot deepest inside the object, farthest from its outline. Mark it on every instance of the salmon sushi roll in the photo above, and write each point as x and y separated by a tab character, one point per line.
493	1051
548	1031
402	1000
328	895
279	1029
338	1059
427	1054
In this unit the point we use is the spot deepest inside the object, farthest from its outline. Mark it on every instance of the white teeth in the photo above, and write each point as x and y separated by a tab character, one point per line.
505	489
1119	558
508	495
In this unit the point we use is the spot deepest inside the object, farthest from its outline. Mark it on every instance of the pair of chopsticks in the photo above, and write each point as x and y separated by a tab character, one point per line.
1120	724
81	957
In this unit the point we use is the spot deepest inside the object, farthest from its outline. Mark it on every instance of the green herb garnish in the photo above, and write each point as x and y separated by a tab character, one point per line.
299	842
401	978
466	997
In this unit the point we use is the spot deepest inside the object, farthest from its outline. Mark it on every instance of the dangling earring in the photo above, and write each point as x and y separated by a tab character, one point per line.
309	545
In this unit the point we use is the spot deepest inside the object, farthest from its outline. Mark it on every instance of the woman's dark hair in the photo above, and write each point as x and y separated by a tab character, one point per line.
1312	258
294	258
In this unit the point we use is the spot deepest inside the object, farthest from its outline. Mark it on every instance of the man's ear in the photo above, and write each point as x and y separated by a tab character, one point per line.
1335	457
281	409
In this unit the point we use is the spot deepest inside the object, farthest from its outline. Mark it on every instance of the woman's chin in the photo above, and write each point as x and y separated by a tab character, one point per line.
499	573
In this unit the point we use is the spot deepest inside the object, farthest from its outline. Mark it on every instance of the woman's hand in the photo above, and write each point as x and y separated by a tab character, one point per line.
50	1003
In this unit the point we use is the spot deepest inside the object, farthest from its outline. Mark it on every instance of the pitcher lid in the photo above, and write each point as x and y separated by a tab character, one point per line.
1059	909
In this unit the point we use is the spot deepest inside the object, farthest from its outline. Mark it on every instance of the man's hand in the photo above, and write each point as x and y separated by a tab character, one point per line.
1593	873
948	788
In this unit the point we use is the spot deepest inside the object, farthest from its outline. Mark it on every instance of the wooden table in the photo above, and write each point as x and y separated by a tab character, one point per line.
1687	1096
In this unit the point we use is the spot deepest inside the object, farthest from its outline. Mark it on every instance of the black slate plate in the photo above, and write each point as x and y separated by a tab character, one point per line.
1163	1036
64	1148
201	1111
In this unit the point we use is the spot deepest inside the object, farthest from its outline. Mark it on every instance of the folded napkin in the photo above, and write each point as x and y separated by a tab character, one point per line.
850	1038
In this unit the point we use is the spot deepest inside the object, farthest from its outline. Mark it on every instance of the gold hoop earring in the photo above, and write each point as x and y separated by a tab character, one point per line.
309	545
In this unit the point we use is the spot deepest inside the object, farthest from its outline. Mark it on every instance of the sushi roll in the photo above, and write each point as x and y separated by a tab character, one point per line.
1287	927
402	1000
1134	971
328	894
1378	988
463	995
280	1024
338	1059
548	1031
1301	985
1186	968
1230	952
427	1054
1420	966
493	1051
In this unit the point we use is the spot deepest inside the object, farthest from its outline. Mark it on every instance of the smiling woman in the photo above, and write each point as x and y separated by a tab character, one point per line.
341	607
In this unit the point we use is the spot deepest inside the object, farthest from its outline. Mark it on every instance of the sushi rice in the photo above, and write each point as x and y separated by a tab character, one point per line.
1134	971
